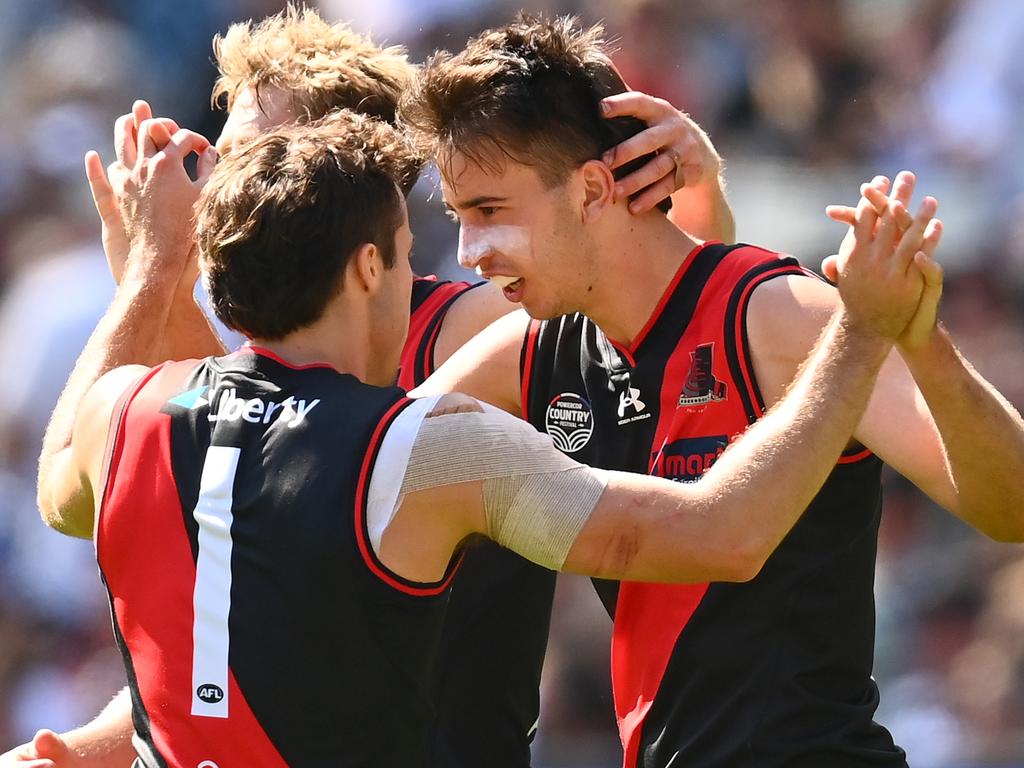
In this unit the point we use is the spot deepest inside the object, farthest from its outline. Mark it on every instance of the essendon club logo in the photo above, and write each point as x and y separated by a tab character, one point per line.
701	385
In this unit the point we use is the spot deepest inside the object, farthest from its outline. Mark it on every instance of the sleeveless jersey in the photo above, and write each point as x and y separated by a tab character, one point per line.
257	626
431	300
774	672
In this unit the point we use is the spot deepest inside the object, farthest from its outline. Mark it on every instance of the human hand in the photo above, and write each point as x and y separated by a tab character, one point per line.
46	750
157	198
882	267
685	155
104	195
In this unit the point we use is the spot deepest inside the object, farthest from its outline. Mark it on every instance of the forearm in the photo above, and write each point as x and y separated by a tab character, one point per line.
188	332
129	332
703	211
106	742
982	436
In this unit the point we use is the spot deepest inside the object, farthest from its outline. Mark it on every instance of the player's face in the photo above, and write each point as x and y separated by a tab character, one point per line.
250	118
518	233
391	305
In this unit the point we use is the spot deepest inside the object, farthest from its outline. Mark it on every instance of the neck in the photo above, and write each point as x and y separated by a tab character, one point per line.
321	343
643	253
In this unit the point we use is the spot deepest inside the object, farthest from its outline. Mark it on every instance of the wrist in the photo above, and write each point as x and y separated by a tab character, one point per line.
926	352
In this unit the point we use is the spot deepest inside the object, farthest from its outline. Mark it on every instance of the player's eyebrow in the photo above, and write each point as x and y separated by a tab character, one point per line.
474	202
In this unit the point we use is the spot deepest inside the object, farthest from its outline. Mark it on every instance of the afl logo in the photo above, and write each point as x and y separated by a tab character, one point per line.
570	422
210	693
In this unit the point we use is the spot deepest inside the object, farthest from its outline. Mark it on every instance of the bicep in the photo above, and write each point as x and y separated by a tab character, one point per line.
69	483
784	320
486	367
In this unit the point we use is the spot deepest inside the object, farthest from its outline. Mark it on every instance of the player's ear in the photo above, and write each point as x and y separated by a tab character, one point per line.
365	267
598	189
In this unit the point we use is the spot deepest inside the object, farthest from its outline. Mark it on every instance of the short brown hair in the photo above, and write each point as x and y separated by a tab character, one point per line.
322	67
529	91
279	220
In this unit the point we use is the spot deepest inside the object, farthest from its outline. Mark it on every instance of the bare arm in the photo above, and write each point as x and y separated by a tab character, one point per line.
932	417
187	331
106	742
644	528
129	333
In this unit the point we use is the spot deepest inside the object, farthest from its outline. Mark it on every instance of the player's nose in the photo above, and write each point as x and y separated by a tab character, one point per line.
473	246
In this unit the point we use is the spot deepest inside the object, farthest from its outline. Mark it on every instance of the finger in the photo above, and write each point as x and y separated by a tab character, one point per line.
881	183
876	197
660	166
844	214
647	141
830	268
141	111
913	239
159	133
207	162
49	744
653	195
146	145
185	142
885	236
932	236
99	185
636	104
865	219
903	187
124	139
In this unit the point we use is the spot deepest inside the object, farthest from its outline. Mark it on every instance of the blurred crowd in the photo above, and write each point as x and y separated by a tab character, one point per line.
804	99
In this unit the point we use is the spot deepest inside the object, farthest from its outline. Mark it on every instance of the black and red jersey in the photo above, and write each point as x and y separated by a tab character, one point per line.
774	672
257	626
431	300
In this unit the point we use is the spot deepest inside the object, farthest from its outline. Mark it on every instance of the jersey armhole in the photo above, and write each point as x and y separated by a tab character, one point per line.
738	343
377	493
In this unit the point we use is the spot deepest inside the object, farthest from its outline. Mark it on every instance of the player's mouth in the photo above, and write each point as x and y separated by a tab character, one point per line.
511	286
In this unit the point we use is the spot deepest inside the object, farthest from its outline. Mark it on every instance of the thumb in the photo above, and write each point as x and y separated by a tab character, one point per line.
50	745
204	167
830	268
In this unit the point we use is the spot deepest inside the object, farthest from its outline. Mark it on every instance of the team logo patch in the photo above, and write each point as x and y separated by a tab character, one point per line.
570	422
701	385
686	460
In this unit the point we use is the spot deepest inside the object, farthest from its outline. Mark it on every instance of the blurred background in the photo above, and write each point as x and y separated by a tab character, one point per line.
804	99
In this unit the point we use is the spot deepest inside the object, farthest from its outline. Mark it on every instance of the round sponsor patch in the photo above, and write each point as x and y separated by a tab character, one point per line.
570	422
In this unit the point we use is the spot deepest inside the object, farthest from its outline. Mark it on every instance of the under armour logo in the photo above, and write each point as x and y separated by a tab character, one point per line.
630	399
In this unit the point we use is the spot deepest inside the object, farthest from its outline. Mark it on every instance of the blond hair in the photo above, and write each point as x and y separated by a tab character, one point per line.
321	67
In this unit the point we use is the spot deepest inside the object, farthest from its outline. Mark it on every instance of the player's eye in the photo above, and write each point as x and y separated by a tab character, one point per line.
487	210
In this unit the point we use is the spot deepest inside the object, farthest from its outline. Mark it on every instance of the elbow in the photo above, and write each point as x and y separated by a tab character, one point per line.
741	561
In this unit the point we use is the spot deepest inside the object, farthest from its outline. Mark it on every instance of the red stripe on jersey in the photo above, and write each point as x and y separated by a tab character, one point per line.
741	333
630	349
532	332
853	458
376	567
146	560
422	315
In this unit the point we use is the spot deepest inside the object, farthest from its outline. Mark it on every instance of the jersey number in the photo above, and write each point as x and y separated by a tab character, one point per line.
211	601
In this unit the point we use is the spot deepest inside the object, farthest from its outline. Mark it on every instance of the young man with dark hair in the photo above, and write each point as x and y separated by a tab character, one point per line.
295	67
650	353
277	527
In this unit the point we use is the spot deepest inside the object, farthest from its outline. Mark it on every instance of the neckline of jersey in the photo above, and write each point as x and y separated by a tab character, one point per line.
629	350
264	352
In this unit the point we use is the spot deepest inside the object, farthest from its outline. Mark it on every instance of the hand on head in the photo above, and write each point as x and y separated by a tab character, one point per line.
685	155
